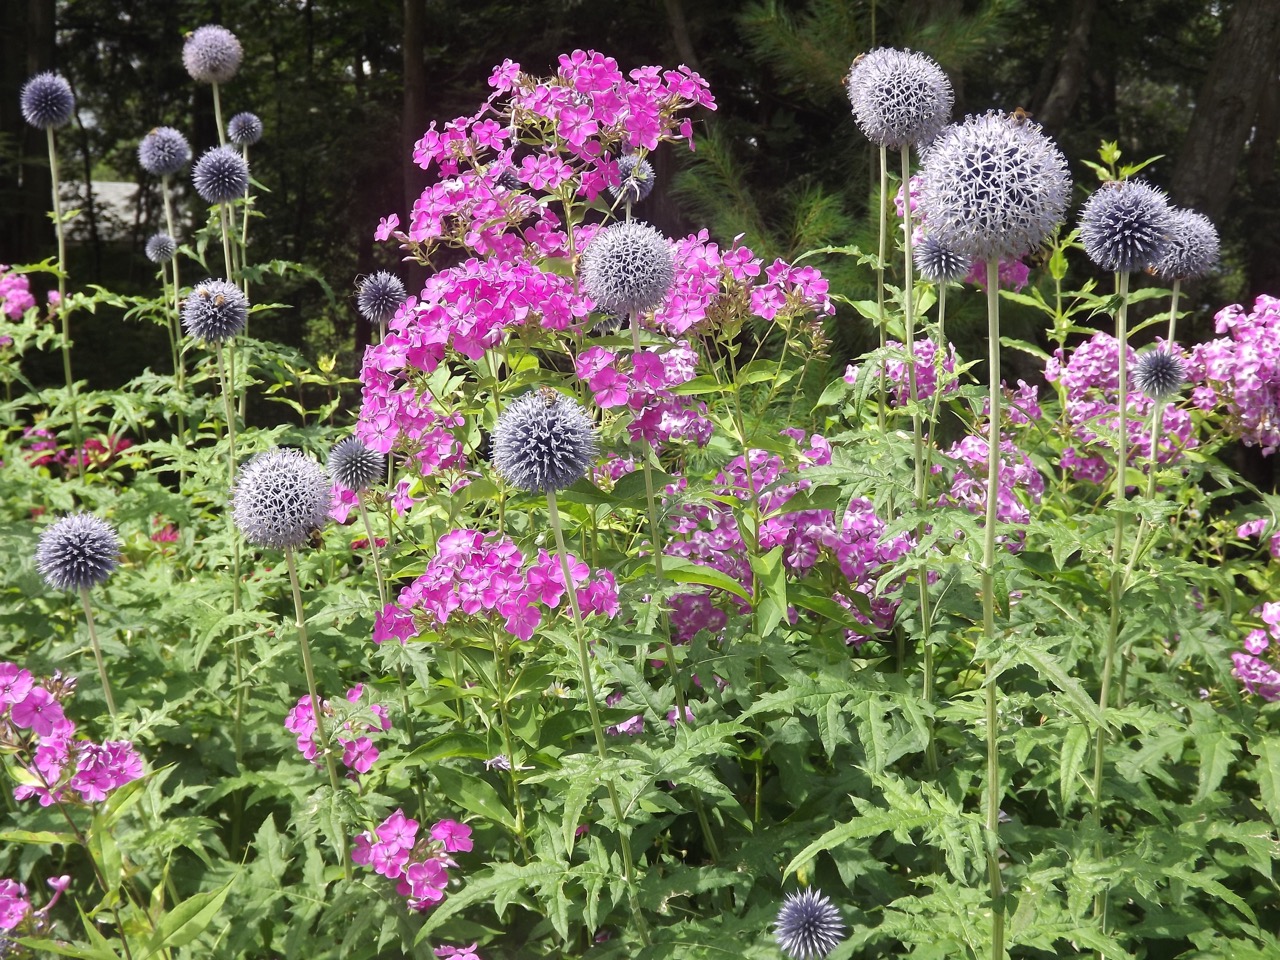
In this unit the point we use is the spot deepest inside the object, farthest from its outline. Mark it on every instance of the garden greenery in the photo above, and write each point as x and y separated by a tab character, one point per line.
656	635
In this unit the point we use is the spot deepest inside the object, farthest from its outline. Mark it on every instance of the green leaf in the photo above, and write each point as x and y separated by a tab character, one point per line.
36	836
1267	774
1217	750
1074	746
186	921
473	795
682	570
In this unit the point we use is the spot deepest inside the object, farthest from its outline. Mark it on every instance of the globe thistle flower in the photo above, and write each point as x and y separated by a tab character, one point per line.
216	311
244	129
899	98
637	179
628	267
808	925
280	498
163	151
379	296
221	175
993	187
1125	226
46	101
543	442
161	247
1159	374
1192	249
937	262
355	466
78	551
508	180
212	54
607	324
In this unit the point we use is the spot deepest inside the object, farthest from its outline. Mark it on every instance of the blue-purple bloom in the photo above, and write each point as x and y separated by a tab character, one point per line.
215	311
164	151
244	129
628	267
1193	247
355	466
899	97
937	262
46	101
543	442
221	175
1125	226
280	498
637	179
808	925
380	296
1159	374
161	247
212	54
78	551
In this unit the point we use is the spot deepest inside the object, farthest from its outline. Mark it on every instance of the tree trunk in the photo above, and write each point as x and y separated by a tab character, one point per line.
413	118
1246	62
1069	80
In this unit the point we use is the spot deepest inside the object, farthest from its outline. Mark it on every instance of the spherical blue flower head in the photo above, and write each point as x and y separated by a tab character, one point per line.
543	442
808	925
212	54
221	175
1125	226
1193	247
164	151
508	180
607	324
280	498
77	551
937	262
354	465
380	296
215	311
47	101
161	247
994	187
244	129
1159	374
899	97
628	267
637	179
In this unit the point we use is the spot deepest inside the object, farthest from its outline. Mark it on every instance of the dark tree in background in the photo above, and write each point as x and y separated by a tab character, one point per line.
345	87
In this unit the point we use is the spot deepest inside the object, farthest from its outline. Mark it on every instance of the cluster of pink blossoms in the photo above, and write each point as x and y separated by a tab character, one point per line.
486	577
1242	371
899	377
1091	380
394	851
15	293
1255	673
358	751
1253	528
61	768
16	910
1016	473
707	534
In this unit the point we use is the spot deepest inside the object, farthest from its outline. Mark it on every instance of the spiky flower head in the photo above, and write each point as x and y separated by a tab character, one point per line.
215	311
161	247
808	925
543	442
164	151
937	262
355	466
244	129
993	186
899	97
221	175
1125	226
508	180
637	179
280	498
1159	374
1193	247
212	54
379	296
47	101
79	550
628	267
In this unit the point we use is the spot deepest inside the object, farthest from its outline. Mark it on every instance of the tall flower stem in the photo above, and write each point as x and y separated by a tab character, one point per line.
584	667
217	115
1117	579
97	653
1173	311
225	222
229	412
60	230
300	621
373	550
928	667
880	261
989	613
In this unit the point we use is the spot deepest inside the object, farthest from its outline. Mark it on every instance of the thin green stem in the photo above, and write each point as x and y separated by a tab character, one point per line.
928	668
59	228
584	667
97	653
502	654
321	734
880	261
228	410
989	613
217	115
1173	311
225	225
373	549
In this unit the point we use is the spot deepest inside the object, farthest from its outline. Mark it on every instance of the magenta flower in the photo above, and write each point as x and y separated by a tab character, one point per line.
455	836
14	904
15	684
38	711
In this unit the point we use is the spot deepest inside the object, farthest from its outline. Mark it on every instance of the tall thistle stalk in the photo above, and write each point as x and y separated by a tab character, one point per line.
64	314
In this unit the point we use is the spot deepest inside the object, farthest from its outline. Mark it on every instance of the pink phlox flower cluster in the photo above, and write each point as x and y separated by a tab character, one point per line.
17	913
1242	371
707	533
15	293
1016	473
484	577
394	851
1091	380
1254	528
458	953
914	185
631	727
14	903
1010	274
1256	674
1018	407
341	502
358	751
606	472
898	376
